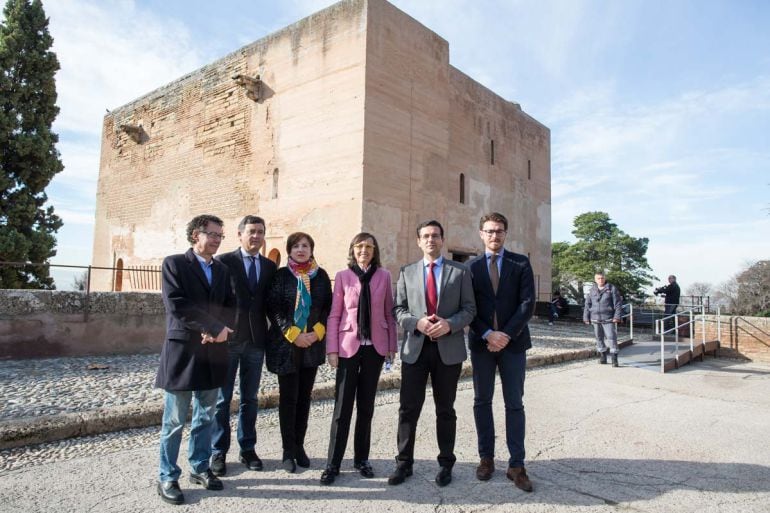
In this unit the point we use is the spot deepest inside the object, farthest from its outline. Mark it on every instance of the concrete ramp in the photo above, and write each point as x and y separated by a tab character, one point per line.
647	353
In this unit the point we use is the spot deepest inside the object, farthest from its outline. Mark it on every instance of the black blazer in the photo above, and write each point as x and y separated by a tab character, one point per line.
281	356
193	307
250	316
514	301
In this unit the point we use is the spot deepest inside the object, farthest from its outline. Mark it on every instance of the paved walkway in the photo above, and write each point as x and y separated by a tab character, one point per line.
598	439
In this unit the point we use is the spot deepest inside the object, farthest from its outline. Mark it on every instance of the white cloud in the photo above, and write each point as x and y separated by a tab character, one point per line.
110	53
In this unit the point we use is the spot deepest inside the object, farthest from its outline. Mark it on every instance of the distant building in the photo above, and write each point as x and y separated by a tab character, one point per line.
349	120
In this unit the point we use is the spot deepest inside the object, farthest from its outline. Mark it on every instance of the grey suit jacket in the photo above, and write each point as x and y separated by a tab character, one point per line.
456	304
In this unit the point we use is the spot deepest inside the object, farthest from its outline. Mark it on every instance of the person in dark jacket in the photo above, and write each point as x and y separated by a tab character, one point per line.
298	306
604	309
193	361
671	292
559	306
251	275
504	291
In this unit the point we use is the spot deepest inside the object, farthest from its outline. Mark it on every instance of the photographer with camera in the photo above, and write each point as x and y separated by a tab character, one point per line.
671	292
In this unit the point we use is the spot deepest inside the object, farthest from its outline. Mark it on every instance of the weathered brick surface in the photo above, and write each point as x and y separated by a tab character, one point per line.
368	126
741	336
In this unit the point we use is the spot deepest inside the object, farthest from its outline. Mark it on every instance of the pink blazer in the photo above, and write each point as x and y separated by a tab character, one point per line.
342	326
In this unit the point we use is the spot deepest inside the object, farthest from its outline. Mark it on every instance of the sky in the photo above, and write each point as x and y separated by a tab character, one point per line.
659	110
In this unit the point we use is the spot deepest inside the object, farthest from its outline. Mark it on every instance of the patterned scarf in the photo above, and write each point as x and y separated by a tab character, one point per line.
304	273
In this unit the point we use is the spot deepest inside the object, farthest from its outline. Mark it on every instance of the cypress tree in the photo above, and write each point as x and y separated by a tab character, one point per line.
28	155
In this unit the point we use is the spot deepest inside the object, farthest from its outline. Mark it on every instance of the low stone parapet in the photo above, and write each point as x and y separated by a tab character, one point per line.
51	323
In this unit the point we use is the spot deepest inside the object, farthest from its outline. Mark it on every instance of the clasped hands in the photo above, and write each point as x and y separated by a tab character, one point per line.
208	338
305	339
497	340
433	326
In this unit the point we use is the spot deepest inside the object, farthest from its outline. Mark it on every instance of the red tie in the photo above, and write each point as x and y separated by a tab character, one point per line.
430	290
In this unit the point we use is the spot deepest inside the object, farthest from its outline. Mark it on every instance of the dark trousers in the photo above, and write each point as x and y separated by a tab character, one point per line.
294	408
414	379
357	379
248	358
512	368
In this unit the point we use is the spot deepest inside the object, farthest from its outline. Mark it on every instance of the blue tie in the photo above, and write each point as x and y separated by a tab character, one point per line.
253	274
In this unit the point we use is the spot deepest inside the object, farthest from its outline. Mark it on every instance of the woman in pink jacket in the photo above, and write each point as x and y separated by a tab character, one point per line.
361	333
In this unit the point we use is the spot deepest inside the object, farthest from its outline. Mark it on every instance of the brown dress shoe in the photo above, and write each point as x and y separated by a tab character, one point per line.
519	477
485	469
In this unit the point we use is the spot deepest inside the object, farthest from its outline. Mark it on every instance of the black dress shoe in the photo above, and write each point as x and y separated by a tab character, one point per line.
301	458
289	465
329	475
170	492
444	476
400	474
206	479
251	460
218	465
365	468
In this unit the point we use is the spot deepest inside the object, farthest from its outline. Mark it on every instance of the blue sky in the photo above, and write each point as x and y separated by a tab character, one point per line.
659	110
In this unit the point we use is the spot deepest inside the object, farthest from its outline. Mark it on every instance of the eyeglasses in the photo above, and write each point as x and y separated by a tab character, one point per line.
428	236
363	245
489	233
214	235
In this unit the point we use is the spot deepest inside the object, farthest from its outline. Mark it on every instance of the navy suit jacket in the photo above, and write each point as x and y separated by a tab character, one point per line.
250	323
194	307
514	301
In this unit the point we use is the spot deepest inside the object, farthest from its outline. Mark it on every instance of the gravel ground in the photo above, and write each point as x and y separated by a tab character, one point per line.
32	388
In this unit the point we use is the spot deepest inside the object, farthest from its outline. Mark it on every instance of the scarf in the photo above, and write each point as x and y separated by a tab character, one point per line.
304	273
364	301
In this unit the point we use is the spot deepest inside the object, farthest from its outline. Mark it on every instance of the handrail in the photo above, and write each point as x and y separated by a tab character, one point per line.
660	328
631	320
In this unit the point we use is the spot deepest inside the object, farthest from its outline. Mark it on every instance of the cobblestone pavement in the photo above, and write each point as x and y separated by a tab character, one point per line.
599	439
34	388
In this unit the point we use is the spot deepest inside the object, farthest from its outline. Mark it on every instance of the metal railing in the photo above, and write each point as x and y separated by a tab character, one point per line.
660	329
140	278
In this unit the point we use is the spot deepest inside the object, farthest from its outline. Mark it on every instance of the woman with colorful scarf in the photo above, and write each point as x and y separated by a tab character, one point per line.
298	305
361	335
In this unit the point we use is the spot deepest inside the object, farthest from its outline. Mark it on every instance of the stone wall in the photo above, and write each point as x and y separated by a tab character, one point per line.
45	323
362	125
439	145
747	337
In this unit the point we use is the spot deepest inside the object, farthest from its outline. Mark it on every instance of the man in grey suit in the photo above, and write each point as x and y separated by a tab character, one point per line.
434	303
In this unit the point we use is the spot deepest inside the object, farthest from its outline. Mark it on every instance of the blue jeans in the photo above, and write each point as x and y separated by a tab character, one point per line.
512	367
249	358
175	406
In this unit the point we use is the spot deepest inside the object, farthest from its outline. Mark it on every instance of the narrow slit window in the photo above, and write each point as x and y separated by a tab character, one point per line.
462	188
492	152
275	183
529	170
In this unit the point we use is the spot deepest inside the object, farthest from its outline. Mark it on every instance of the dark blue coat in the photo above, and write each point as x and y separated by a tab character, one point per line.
250	323
194	307
514	301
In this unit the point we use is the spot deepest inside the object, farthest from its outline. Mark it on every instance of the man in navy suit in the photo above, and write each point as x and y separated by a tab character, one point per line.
198	298
504	288
251	276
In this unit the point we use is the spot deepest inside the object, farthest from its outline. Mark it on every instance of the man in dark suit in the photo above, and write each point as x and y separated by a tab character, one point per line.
504	288
198	299
434	303
251	275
